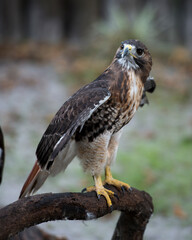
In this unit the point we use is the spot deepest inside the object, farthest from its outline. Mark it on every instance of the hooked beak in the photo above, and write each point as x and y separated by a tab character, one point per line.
128	50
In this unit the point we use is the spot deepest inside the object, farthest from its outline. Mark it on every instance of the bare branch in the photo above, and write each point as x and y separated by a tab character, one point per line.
136	207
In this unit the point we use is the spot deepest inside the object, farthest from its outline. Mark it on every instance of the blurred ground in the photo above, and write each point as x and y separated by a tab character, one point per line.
156	148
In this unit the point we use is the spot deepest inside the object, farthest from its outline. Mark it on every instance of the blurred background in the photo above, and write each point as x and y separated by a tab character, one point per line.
49	49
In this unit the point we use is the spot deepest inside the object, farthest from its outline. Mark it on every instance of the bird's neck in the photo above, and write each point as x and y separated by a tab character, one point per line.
126	85
125	66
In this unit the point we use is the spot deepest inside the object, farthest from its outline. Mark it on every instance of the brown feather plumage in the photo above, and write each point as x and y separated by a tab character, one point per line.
95	114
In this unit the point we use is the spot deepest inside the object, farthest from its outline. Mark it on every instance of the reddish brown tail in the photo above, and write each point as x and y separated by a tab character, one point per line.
31	181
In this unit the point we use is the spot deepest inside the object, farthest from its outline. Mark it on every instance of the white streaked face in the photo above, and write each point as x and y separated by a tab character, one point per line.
128	54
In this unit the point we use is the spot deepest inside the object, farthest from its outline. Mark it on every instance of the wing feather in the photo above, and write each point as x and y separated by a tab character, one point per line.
73	114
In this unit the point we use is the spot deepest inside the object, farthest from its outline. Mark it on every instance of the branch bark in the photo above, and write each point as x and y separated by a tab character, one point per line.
136	207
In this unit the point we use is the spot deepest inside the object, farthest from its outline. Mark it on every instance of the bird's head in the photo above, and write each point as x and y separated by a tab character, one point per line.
133	54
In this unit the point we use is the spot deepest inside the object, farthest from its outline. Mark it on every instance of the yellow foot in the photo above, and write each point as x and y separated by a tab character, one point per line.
110	180
101	191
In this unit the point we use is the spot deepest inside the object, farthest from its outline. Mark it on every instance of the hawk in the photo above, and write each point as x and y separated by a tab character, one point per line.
89	123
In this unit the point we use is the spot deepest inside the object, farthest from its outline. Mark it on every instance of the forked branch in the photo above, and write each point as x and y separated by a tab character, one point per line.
136	208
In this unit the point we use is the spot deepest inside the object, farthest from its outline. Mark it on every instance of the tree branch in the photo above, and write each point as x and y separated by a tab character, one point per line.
136	207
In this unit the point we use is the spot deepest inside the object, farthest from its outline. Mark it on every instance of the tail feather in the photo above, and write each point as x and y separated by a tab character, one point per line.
34	181
38	175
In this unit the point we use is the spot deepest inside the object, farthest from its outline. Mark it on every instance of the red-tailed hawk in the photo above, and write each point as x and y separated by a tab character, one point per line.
89	123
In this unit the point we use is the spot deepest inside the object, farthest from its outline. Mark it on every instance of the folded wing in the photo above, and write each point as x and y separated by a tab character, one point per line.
55	142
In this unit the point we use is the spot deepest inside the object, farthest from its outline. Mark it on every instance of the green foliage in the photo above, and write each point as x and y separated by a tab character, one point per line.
162	168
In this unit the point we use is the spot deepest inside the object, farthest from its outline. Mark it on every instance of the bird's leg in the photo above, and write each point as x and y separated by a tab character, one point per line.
100	190
111	181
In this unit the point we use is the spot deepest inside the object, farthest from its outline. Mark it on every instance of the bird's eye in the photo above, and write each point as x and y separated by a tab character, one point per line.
122	46
140	51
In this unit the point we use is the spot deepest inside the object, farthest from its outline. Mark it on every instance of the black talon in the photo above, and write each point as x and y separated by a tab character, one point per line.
84	190
98	196
115	195
111	209
130	189
123	189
